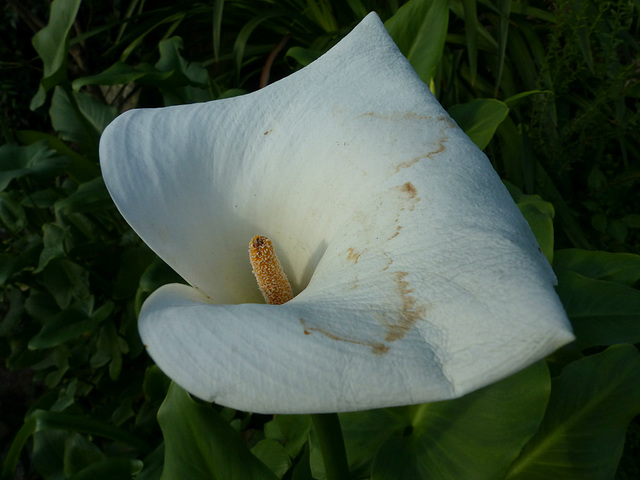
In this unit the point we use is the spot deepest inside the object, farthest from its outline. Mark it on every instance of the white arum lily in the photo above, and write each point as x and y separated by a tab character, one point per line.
415	276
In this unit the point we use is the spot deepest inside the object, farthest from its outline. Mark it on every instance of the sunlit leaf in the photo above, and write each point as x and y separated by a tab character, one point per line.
476	436
419	29
582	434
201	445
52	43
480	118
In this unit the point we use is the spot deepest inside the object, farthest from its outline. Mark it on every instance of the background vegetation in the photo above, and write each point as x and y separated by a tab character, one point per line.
558	81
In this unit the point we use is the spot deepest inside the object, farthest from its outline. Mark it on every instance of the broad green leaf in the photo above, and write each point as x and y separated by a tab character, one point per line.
419	28
80	119
66	281
109	349
11	316
36	159
79	167
155	384
291	430
54	237
52	45
302	470
79	453
476	436
303	56
201	445
539	214
189	83
601	312
480	118
583	432
274	455
12	215
69	324
91	196
615	267
59	424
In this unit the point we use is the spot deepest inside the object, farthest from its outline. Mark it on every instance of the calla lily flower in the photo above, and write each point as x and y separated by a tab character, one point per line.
415	277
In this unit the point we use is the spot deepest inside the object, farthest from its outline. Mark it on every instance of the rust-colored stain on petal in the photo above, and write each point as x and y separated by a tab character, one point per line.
409	189
397	232
377	348
410	312
353	255
268	132
440	147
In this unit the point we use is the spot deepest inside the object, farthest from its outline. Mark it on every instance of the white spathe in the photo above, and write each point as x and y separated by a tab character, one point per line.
417	278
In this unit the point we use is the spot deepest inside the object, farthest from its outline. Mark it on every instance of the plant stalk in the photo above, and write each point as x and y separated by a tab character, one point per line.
334	456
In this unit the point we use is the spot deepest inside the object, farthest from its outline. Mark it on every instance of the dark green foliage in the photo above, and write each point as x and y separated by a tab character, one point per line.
550	89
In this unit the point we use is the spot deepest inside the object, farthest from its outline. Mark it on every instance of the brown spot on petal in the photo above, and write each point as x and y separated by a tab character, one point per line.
353	255
410	311
440	147
409	189
377	348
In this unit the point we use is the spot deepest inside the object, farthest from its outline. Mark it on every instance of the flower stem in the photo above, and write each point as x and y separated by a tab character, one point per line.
329	433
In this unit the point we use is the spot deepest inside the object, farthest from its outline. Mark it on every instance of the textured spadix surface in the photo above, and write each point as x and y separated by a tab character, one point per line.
416	277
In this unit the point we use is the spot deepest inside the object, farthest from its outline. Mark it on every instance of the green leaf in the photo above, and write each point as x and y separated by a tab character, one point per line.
54	236
52	45
601	312
66	281
80	119
476	436
79	453
274	455
53	422
91	196
291	430
419	28
69	324
615	267
79	167
155	384
201	445
303	56
480	118
539	214
12	215
36	159
583	432
134	263
109	349
110	469
471	36
11	317
189	81
120	73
